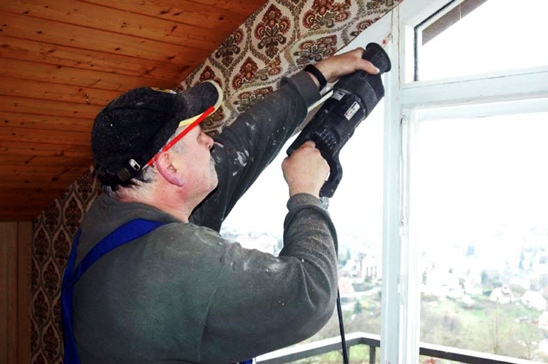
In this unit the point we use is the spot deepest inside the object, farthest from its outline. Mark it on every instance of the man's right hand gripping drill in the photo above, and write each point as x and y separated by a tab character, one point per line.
305	171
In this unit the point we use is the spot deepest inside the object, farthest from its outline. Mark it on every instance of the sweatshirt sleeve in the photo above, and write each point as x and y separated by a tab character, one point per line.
245	148
262	302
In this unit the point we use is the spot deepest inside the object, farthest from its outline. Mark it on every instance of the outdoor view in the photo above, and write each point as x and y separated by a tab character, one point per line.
481	203
480	213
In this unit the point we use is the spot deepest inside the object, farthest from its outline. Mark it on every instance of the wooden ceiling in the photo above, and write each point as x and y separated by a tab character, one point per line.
61	61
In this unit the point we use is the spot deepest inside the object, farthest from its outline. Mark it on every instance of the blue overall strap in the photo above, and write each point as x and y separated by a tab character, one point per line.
124	234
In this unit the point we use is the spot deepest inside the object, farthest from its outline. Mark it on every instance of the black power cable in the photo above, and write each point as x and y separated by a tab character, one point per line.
341	328
324	202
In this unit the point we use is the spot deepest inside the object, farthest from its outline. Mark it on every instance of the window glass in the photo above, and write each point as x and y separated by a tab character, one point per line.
356	209
495	36
480	213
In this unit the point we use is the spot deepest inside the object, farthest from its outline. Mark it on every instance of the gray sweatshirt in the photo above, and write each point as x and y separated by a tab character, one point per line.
182	293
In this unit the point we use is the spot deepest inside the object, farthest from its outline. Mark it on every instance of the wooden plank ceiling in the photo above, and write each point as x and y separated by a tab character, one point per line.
61	61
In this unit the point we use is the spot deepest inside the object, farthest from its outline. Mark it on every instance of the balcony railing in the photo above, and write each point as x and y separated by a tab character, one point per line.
309	350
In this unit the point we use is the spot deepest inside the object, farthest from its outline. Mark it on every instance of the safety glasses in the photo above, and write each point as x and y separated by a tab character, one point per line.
192	122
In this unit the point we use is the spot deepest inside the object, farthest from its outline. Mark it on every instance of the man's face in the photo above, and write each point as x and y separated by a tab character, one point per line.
199	167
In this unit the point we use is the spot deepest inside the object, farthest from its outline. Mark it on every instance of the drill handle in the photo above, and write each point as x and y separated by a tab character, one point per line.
335	175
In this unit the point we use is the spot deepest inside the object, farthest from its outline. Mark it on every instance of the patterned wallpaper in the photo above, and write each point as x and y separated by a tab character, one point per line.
278	39
52	234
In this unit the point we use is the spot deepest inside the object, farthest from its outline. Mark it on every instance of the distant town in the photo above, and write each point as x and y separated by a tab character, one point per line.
488	296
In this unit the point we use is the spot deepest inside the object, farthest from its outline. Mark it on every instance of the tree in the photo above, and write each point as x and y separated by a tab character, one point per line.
529	336
358	307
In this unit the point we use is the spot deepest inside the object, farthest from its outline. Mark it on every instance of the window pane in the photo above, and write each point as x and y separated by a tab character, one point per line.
356	209
480	212
495	36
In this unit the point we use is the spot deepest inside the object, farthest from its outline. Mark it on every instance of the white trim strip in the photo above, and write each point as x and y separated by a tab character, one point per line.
485	110
391	340
532	83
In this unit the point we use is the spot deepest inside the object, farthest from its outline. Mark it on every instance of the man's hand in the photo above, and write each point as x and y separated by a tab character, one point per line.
335	67
305	171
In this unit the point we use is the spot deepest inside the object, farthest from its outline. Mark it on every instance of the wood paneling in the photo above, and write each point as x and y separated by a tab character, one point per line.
47	178
47	107
53	32
44	149
245	6
45	122
45	136
11	68
185	12
32	201
35	174
93	16
54	92
24	283
8	237
15	285
36	161
62	61
28	50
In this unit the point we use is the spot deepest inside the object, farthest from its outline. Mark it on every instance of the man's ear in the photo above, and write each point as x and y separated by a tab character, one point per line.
168	170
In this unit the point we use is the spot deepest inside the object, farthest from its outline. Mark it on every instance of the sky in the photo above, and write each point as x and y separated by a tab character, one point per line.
482	175
357	204
498	35
482	182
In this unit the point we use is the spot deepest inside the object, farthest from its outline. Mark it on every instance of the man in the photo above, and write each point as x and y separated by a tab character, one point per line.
160	284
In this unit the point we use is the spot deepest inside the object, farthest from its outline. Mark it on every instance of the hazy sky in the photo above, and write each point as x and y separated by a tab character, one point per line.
480	174
480	177
498	35
357	204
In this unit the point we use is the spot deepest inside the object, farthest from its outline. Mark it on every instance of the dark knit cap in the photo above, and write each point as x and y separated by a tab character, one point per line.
132	128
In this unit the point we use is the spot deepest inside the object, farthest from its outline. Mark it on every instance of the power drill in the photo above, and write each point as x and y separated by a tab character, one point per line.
353	99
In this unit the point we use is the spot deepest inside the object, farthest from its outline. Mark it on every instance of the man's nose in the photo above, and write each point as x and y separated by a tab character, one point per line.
209	142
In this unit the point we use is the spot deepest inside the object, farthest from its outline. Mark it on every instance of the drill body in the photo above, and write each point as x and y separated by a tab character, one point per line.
353	99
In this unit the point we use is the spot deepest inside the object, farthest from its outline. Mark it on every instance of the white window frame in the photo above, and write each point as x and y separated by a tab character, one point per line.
407	103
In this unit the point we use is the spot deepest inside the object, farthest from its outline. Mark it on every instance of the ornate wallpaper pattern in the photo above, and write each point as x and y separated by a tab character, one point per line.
52	234
278	39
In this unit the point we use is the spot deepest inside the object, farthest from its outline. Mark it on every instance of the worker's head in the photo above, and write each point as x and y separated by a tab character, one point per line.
140	133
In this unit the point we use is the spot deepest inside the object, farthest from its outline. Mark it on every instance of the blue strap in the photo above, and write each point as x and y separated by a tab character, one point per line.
124	234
